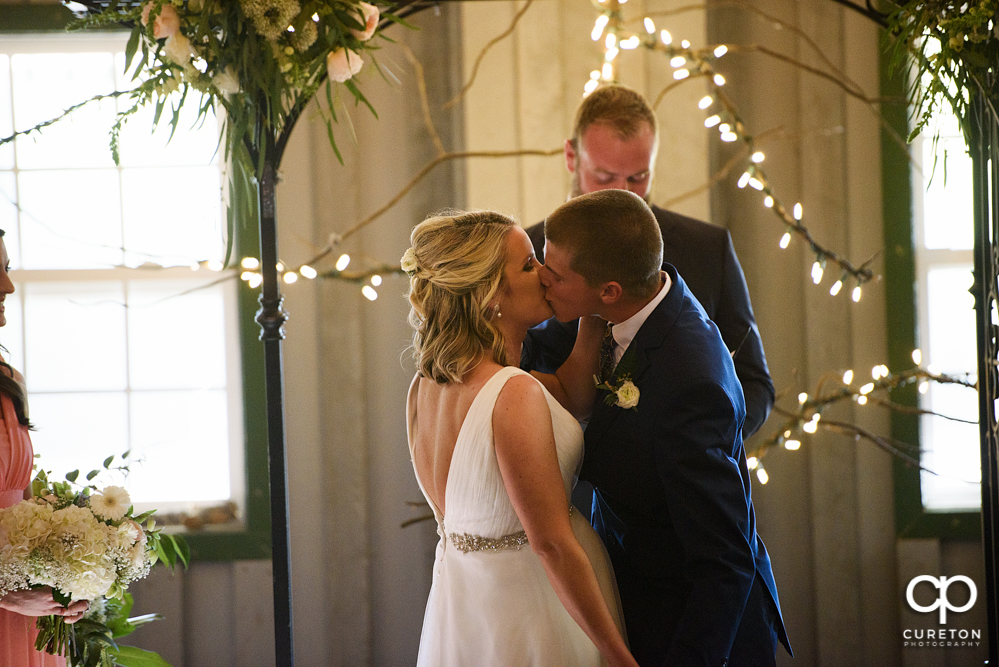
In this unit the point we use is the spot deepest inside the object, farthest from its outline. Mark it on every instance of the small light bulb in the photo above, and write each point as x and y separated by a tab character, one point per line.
758	157
685	44
856	294
376	280
250	263
924	387
802	398
630	43
315	17
797	212
867	388
680	74
705	102
876	372
768	201
743	180
677	61
591	85
917	356
724	127
837	286
598	27
861	400
884	371
720	50
665	37
369	292
711	121
291	277
607	72
785	240
792	444
308	272
214	265
752	462
280	267
342	263
610	41
848	377
756	184
611	54
595	74
719	80
810	427
650	27
729	136
816	273
247	275
787	433
195	267
762	475
255	281
291	28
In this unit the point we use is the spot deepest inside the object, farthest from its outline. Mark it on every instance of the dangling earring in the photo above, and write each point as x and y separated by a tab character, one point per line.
496	312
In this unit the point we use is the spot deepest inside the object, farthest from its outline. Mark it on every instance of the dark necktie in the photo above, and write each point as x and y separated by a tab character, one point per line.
607	354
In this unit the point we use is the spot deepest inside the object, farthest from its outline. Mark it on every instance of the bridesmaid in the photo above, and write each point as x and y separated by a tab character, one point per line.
19	608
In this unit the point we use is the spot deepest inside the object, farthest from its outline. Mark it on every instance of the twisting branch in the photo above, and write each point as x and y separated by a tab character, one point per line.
482	54
52	121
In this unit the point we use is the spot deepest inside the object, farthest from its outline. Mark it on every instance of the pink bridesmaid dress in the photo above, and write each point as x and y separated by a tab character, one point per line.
17	632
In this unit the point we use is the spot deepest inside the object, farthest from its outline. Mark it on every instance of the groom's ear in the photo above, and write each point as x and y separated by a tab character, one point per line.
610	293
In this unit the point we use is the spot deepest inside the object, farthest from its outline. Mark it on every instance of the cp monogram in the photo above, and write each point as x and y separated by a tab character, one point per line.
942	603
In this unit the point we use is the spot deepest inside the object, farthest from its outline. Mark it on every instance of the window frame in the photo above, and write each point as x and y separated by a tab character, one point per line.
253	540
912	520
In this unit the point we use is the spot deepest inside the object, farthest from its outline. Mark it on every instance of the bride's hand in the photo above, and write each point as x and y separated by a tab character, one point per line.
592	326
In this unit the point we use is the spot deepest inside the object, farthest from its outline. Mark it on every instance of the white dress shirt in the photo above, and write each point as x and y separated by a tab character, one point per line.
625	332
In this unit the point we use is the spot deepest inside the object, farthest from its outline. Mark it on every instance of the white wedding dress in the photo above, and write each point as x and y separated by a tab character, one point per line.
491	602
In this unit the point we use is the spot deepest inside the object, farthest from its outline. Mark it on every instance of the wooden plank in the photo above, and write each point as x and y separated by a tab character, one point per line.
161	593
209	615
252	615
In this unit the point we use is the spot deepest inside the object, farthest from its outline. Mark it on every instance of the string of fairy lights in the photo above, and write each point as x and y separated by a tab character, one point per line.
689	63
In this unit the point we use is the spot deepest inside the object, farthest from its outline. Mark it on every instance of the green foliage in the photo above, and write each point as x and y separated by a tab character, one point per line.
955	46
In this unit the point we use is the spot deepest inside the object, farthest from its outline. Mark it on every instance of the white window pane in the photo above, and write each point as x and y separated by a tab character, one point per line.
182	438
45	84
947	199
173	216
8	217
11	336
174	341
952	450
78	431
952	345
79	228
75	334
6	119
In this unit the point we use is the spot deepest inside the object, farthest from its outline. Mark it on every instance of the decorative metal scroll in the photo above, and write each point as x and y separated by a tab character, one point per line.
984	145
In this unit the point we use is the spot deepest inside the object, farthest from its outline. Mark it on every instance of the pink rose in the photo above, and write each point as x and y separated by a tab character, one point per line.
343	64
167	23
369	16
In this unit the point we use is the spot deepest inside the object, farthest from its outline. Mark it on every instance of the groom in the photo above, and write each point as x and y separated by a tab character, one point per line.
672	500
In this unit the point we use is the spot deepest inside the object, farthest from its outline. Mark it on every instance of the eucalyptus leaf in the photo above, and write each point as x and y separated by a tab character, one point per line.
130	656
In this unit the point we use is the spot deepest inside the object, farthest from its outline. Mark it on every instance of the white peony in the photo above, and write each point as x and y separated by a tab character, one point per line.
111	503
178	49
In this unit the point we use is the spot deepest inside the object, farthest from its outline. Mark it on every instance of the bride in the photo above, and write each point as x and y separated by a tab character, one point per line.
519	579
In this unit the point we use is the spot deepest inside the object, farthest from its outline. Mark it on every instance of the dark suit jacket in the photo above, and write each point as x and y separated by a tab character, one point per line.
673	502
704	256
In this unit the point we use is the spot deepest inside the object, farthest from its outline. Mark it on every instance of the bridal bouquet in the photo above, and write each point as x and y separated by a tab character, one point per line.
85	546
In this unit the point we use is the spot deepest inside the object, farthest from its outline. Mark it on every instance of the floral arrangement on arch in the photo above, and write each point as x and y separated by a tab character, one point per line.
261	61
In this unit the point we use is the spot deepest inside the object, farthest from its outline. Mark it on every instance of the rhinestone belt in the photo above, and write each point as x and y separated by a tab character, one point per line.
464	542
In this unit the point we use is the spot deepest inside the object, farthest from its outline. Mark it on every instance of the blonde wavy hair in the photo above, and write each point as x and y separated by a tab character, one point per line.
459	259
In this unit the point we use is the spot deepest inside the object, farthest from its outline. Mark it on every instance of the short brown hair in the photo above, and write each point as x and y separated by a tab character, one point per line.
615	105
611	235
459	261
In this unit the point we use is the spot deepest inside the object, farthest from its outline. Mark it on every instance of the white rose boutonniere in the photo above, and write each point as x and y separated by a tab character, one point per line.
623	393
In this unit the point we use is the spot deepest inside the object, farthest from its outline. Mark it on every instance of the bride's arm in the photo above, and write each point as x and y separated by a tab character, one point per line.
525	451
572	384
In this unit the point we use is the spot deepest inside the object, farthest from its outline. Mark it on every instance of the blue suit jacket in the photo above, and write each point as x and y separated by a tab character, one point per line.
673	502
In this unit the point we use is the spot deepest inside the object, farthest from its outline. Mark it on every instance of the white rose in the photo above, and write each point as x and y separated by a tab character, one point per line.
178	49
627	395
343	64
227	81
369	17
408	261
